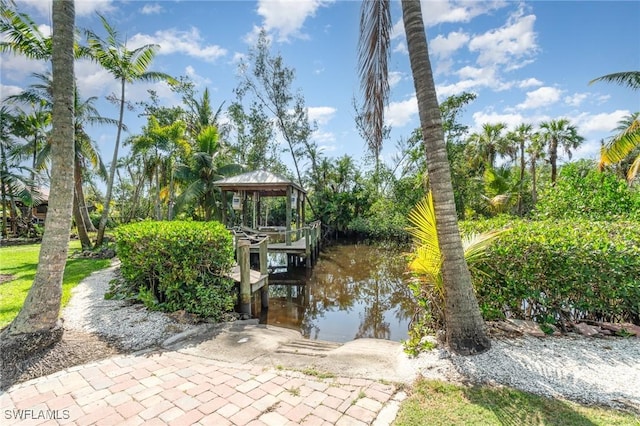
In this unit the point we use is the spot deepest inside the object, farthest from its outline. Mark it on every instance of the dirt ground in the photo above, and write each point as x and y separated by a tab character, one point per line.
75	348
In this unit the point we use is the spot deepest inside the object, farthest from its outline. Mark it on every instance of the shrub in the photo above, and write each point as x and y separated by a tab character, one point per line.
583	192
556	271
177	265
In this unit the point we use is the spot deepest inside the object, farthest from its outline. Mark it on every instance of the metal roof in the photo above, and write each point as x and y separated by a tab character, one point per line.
258	180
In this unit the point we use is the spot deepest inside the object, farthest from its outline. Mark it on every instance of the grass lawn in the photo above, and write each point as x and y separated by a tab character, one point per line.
433	402
21	262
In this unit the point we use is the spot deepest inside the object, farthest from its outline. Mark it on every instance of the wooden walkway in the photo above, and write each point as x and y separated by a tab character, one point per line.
256	279
306	248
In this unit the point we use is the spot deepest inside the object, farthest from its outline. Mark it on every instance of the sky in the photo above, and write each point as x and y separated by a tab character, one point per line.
527	62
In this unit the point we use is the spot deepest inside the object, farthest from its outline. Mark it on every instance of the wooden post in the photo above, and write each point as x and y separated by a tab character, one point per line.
287	237
307	246
245	276
264	291
224	208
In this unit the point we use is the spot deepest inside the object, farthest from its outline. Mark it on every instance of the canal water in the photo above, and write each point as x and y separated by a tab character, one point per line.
353	291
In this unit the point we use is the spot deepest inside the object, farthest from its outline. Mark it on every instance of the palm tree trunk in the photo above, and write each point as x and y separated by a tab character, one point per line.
553	159
534	190
112	169
523	165
465	332
37	325
81	226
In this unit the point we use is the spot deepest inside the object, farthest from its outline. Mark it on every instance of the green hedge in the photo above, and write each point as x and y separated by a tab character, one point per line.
176	265
567	270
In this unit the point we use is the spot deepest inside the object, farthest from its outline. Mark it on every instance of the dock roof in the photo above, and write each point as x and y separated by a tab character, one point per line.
267	183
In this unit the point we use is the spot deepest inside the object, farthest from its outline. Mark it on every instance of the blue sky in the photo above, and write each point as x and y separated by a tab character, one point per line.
526	61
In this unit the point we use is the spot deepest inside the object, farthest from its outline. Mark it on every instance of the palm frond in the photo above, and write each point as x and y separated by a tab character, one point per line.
373	56
630	79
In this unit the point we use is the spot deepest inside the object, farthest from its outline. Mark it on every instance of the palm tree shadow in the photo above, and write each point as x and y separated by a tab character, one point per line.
515	408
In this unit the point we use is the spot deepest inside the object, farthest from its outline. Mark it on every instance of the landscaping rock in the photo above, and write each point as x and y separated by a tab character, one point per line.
586	329
530	328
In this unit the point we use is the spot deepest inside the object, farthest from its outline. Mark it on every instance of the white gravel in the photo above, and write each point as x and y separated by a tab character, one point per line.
133	326
602	371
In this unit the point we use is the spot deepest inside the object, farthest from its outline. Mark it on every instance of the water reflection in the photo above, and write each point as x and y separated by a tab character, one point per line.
354	291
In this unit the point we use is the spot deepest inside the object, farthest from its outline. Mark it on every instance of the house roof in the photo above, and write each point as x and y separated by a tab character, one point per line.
267	183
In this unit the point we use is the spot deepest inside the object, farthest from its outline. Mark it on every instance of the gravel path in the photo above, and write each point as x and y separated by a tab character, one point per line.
603	371
133	326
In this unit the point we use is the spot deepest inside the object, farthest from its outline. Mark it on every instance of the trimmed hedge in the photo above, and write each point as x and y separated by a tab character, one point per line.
558	271
176	265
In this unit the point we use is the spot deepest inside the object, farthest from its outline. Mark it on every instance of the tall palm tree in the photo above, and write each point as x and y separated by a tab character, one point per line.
628	131
87	153
37	325
520	136
536	152
465	332
484	146
557	134
127	66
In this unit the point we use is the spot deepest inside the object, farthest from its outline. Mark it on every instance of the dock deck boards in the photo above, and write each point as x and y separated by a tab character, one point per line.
256	278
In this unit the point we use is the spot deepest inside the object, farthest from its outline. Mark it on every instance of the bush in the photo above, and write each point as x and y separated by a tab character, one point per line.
556	271
583	192
175	265
382	223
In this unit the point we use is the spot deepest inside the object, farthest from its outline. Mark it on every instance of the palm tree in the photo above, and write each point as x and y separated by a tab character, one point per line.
622	144
483	147
520	136
206	167
628	130
22	35
127	66
556	134
37	326
536	152
465	332
86	153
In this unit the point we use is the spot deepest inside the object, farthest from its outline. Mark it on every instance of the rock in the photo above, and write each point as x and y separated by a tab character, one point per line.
617	328
586	329
530	328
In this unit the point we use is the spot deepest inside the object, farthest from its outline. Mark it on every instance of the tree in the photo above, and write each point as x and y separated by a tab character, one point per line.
206	166
628	131
556	134
623	144
269	80
37	325
520	136
465	333
87	154
484	146
127	66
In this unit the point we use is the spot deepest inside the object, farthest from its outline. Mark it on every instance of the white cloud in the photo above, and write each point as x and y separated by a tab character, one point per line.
395	77
322	114
482	117
576	99
8	90
197	79
530	82
17	67
541	97
173	41
588	123
401	47
401	113
436	12
287	17
442	46
510	45
151	9
473	78
93	80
